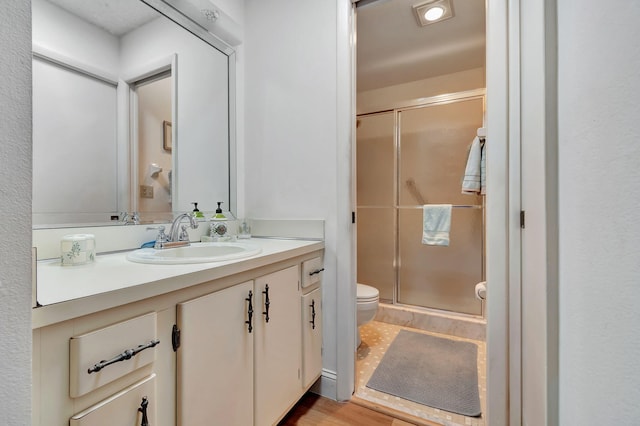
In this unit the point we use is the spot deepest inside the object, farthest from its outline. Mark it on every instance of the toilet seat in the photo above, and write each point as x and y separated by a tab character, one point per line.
366	293
366	304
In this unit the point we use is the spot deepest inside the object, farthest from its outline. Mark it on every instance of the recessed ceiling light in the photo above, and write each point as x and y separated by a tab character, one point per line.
432	11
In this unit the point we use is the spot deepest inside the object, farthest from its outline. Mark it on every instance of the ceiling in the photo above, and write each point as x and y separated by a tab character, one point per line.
393	49
118	17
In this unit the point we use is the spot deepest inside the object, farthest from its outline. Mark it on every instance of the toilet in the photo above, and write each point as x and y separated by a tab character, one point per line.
367	305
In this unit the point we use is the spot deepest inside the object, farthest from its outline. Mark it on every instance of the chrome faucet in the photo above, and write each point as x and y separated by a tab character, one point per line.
175	234
130	219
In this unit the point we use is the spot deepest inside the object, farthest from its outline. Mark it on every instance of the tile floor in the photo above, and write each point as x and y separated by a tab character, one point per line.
376	338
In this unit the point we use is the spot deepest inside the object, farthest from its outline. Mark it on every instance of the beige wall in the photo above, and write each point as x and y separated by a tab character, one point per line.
380	99
154	107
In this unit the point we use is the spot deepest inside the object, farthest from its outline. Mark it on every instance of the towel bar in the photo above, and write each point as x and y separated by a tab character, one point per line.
455	206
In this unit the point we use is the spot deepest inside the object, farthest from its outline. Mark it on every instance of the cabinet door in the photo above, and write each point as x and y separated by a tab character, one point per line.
277	345
215	359
311	337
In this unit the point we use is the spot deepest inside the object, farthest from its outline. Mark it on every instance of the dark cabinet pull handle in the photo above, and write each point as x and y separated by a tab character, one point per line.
250	312
313	314
317	271
143	410
266	302
128	354
175	337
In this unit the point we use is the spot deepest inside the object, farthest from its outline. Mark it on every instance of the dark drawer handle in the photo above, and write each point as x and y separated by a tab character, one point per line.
143	410
266	303
317	271
128	354
313	314
250	311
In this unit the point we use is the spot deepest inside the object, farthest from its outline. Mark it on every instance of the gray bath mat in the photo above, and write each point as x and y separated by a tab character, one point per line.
432	371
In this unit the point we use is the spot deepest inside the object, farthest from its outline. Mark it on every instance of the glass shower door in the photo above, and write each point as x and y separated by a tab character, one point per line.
433	147
376	223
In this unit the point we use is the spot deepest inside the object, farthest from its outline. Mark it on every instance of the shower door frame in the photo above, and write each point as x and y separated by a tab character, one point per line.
396	108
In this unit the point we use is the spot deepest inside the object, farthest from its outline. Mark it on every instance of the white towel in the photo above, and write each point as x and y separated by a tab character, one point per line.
472	181
436	223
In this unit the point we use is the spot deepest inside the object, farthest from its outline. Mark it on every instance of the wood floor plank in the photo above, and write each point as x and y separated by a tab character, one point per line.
314	410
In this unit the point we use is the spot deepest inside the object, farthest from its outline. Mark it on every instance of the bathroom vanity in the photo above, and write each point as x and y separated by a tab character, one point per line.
236	342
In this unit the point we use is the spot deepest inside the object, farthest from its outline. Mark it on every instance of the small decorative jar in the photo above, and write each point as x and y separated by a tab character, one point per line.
77	249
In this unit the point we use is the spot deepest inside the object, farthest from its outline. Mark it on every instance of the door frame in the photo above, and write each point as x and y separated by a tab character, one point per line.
507	45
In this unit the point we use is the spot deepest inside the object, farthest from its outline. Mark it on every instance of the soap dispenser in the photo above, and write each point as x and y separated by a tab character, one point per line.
196	213
218	228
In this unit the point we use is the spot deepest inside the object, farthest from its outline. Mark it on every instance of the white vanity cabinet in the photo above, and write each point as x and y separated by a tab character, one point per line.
231	365
215	359
311	320
311	337
277	345
240	356
65	392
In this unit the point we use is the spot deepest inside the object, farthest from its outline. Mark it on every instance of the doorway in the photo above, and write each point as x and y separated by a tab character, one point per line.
417	99
153	144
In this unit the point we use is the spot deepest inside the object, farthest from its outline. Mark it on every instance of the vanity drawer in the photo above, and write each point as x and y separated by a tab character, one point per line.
91	351
311	271
123	408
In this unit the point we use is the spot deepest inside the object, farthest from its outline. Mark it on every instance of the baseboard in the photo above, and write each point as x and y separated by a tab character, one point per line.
326	385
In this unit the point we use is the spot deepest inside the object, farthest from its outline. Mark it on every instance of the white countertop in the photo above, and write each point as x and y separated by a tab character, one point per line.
66	292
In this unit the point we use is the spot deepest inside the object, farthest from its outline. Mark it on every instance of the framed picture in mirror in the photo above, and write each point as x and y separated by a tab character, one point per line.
166	135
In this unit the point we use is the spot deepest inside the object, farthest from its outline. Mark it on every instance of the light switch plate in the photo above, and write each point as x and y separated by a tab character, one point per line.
146	191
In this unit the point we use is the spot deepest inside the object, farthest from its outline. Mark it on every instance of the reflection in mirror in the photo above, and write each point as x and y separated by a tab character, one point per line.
152	118
130	113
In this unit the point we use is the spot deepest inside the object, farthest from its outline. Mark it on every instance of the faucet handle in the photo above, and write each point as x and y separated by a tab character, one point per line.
161	238
184	235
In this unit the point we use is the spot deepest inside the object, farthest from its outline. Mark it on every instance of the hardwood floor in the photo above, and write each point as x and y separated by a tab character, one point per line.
314	410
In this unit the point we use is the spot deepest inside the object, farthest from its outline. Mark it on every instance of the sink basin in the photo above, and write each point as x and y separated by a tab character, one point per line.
195	253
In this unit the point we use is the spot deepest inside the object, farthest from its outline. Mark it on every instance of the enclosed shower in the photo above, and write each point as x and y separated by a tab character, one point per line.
407	157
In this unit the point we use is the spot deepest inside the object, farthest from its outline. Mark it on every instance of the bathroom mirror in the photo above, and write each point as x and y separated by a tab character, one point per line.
133	111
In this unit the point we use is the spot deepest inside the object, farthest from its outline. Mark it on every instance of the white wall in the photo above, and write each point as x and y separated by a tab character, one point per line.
599	184
15	207
68	35
292	131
